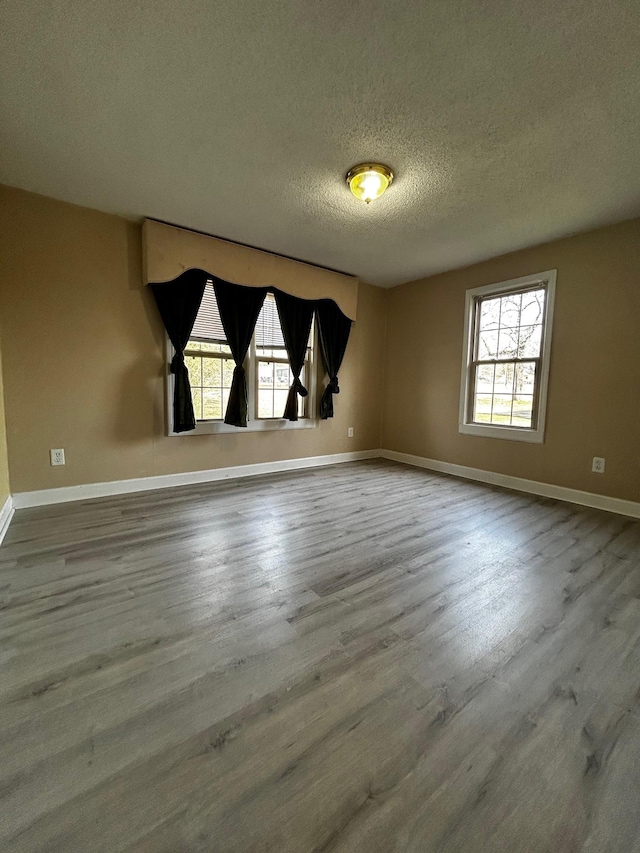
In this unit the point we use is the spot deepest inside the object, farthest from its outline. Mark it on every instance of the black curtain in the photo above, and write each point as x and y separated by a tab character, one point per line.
333	332
178	302
295	319
239	308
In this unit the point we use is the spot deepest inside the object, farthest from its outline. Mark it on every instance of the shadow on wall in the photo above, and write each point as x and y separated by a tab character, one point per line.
139	412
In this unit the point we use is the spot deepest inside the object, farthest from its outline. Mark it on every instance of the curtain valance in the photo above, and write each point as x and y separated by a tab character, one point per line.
168	252
239	306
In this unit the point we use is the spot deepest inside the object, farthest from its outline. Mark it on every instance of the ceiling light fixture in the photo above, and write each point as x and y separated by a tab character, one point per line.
369	180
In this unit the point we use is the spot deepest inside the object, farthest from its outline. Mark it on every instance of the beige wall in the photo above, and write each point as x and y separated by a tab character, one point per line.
4	464
594	384
83	359
83	364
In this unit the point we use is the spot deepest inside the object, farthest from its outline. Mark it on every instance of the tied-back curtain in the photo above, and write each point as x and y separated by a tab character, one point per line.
178	302
296	316
239	309
333	332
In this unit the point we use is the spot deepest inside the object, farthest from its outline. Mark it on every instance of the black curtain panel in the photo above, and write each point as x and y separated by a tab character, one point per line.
178	302
239	307
296	316
333	332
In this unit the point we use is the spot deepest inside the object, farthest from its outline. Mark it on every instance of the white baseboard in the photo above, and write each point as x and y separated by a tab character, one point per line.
44	497
546	490
65	494
6	514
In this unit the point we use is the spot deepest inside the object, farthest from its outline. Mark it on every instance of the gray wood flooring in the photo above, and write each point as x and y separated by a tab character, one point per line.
367	658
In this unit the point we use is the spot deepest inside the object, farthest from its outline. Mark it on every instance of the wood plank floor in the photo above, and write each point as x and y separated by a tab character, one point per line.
367	658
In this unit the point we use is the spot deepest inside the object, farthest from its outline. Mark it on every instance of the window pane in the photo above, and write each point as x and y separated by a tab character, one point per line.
487	345
508	343
525	377
510	310
194	366
503	382
196	398
208	346
272	352
522	410
506	404
211	372
530	340
228	366
283	376
482	408
265	374
279	402
489	314
484	378
532	307
211	403
265	403
217	371
511	326
501	409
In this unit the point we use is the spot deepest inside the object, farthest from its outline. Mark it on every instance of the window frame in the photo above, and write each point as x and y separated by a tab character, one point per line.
204	354
473	298
307	372
254	424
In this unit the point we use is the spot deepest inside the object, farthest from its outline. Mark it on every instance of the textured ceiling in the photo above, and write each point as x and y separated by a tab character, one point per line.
507	122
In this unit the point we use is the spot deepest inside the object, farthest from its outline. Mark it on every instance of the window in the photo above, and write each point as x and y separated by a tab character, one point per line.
506	358
209	361
210	364
273	375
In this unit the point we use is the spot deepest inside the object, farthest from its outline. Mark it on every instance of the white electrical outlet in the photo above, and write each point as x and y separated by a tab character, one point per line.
598	465
57	456
350	432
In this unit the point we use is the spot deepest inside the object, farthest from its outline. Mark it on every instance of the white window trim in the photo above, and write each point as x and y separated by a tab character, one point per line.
253	424
533	435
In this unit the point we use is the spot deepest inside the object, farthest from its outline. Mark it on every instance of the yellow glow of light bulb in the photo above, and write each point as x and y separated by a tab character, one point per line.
369	180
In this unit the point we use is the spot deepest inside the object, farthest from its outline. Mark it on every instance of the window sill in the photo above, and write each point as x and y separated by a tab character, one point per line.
532	436
216	427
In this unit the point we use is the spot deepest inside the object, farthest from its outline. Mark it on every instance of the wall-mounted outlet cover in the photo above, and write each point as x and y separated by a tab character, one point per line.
57	456
598	465
350	432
